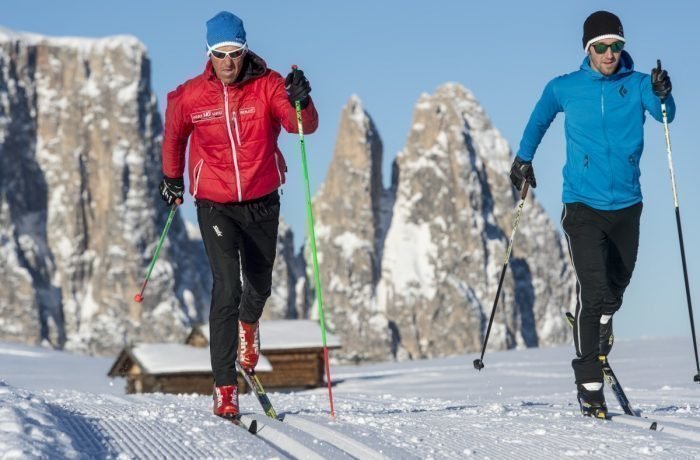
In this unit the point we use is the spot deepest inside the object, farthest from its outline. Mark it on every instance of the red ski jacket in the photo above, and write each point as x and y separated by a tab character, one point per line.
232	131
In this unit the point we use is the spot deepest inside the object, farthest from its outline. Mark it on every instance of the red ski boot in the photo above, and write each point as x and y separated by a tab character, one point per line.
248	345
226	401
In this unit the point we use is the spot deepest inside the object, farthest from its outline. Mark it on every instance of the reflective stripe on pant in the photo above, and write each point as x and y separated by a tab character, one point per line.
603	249
241	244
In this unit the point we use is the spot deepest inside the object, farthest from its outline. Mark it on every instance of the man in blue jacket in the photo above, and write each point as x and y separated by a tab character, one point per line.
604	103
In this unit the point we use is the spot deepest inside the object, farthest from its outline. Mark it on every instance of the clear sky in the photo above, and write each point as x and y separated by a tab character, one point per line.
389	52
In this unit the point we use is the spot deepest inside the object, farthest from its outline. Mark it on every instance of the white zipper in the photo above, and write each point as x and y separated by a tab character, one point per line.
234	154
277	164
197	172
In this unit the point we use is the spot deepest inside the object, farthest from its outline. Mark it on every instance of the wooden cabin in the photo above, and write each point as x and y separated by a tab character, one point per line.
294	349
171	368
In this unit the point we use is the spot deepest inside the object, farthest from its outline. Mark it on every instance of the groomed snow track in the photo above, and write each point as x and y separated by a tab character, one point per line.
160	426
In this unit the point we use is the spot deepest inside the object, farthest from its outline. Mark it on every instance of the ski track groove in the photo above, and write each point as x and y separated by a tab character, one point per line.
669	419
284	443
132	435
643	423
109	426
354	448
534	441
85	435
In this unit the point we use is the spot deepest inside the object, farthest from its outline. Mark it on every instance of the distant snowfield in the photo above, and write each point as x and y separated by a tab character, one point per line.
522	405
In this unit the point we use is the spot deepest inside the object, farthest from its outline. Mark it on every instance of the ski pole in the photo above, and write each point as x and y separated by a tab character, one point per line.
479	363
680	231
139	297
312	236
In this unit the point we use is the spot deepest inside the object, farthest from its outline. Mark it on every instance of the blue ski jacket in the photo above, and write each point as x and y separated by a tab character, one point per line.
604	129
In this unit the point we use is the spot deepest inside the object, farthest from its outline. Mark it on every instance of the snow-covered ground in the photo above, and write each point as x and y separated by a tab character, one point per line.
522	405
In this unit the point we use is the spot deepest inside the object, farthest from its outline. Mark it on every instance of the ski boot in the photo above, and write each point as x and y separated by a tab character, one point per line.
592	400
248	345
606	335
226	401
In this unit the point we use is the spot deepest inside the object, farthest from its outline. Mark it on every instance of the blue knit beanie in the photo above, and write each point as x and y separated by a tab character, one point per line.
225	29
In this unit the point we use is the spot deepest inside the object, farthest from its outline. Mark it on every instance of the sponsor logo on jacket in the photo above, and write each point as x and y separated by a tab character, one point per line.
206	115
247	111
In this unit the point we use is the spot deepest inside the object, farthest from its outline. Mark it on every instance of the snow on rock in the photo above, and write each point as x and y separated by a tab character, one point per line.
289	298
79	213
347	212
411	271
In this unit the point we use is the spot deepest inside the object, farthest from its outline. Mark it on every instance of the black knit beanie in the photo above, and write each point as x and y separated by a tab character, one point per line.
601	25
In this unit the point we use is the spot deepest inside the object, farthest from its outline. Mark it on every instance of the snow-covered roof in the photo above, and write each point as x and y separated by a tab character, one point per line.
285	334
173	358
288	334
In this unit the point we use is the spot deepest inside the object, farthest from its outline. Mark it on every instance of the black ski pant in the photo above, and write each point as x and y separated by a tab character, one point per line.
241	244
603	249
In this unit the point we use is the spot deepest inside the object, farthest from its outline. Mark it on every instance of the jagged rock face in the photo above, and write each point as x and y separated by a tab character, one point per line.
289	298
420	280
79	212
445	248
347	212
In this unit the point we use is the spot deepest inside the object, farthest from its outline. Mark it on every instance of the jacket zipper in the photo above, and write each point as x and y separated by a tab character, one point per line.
197	172
234	153
607	143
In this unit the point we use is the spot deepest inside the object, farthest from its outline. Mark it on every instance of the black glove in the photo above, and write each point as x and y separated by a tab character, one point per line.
522	171
298	88
660	82
172	190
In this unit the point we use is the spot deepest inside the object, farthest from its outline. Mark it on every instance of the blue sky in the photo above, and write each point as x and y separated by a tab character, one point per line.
389	52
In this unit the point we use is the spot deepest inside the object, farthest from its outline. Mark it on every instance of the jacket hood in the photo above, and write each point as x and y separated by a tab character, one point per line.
253	67
626	66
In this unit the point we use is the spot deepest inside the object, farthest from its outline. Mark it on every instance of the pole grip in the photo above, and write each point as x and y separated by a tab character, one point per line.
526	188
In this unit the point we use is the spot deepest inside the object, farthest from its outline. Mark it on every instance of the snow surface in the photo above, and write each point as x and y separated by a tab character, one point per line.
522	405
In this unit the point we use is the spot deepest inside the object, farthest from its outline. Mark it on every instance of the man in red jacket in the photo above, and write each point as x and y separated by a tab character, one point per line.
232	115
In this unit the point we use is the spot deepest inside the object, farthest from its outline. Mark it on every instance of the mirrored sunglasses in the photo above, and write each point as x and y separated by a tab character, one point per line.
235	54
615	47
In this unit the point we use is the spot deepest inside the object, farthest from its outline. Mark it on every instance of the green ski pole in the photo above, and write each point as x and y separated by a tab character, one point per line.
312	235
139	297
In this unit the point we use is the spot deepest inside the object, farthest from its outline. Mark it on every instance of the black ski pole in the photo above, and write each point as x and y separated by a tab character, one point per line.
479	363
680	231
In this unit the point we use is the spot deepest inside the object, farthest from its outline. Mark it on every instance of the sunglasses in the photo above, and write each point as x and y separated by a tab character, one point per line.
615	47
235	54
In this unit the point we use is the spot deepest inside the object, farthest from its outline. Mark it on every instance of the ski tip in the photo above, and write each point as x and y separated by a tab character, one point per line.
138	298
253	428
478	364
696	379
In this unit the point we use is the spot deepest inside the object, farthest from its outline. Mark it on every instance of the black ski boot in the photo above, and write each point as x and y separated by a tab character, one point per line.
592	401
606	335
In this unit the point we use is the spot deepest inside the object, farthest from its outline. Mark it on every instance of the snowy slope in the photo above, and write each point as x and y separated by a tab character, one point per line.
59	405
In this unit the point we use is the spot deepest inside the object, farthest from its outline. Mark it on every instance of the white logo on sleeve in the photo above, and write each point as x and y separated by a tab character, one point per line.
218	232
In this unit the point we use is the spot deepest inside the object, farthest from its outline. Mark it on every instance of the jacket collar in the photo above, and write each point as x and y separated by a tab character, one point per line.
626	67
253	67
